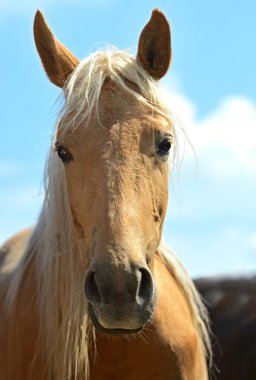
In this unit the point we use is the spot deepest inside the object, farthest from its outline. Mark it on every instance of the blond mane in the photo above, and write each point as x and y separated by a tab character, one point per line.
66	333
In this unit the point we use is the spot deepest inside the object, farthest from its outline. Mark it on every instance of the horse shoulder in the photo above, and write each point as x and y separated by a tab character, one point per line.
19	324
175	328
12	250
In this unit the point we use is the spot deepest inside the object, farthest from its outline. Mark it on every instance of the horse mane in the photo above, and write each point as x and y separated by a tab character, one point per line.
67	335
198	310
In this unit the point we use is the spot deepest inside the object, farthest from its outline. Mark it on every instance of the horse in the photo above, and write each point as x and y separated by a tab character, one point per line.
90	292
232	305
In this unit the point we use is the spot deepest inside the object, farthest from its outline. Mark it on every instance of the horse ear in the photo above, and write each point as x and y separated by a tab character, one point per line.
57	60
154	49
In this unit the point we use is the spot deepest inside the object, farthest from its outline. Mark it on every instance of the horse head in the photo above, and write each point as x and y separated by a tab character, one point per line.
113	142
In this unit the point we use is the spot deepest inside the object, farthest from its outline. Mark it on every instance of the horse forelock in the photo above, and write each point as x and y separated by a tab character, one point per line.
83	88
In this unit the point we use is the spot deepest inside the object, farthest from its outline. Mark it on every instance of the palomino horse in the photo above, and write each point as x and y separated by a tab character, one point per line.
232	307
90	293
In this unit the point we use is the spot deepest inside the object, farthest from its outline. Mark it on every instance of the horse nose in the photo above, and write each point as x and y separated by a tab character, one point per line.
104	285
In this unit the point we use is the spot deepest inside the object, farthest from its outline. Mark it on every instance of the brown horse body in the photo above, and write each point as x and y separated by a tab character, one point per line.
90	288
232	304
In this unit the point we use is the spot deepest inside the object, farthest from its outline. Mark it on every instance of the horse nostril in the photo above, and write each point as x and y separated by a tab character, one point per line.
145	288
91	288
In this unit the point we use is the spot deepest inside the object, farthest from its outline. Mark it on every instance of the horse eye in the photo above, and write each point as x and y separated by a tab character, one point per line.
63	155
164	147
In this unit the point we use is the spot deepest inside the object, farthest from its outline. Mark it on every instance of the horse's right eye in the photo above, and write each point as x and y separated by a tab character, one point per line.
63	154
164	147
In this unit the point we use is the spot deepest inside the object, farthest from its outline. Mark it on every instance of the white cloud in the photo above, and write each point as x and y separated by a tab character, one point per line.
211	220
225	139
252	241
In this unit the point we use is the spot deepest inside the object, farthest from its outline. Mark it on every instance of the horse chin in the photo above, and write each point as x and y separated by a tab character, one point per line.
110	331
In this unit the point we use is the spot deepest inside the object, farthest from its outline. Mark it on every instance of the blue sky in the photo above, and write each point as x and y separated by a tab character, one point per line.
211	87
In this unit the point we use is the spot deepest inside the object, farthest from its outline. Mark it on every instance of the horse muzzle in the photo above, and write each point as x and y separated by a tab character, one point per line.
120	301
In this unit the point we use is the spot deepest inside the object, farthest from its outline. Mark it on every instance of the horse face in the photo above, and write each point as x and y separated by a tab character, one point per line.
117	177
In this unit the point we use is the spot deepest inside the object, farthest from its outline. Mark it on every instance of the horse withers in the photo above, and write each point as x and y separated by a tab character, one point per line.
89	293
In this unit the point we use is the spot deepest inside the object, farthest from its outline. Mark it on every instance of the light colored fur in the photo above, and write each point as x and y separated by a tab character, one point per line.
65	327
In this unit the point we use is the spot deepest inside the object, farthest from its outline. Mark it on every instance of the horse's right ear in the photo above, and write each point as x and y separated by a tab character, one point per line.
57	60
154	50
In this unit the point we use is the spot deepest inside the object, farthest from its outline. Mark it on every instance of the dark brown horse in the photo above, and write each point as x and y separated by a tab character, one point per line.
232	306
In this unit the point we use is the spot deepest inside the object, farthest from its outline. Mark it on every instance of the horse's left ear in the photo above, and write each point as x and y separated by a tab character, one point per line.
154	50
57	60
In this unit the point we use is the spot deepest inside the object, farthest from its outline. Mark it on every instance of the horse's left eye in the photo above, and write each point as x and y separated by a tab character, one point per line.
63	155
164	147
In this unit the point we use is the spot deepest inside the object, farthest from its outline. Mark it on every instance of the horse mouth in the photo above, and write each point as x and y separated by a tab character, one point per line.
104	330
